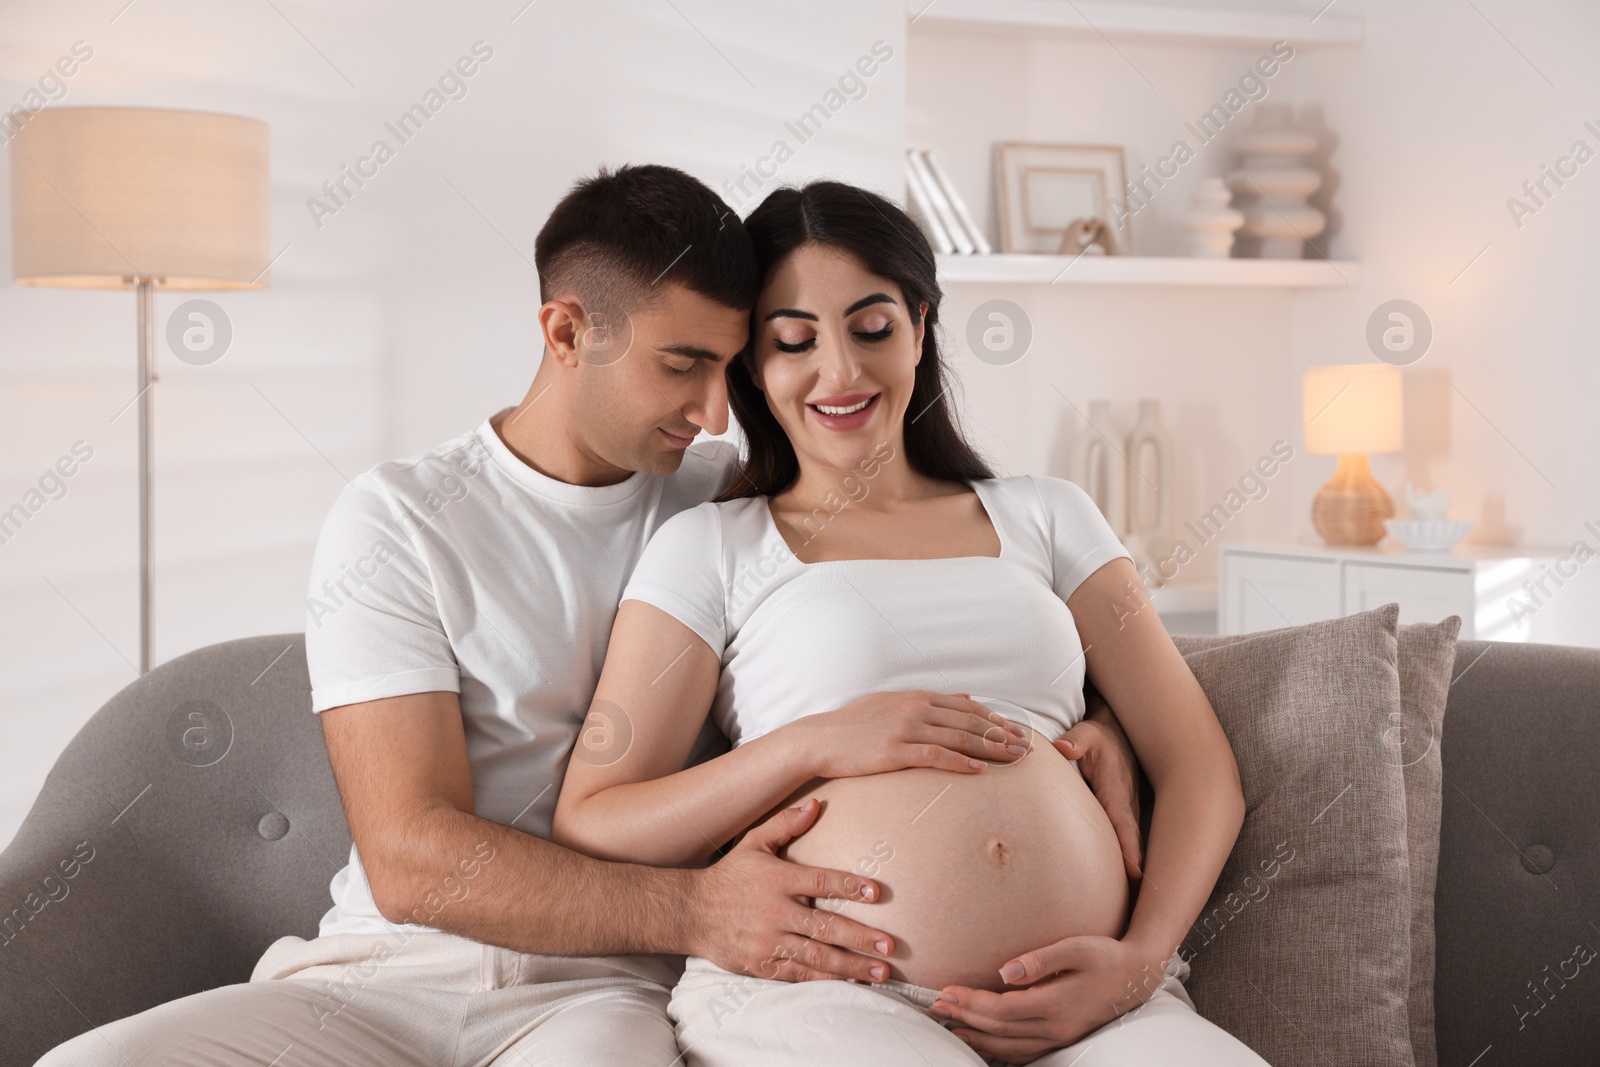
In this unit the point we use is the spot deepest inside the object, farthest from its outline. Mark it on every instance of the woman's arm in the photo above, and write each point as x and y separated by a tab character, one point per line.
641	805
1199	806
631	798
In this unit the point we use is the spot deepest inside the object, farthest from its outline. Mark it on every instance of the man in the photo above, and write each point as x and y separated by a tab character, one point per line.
460	605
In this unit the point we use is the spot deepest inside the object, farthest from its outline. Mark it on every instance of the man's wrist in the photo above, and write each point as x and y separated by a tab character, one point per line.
685	921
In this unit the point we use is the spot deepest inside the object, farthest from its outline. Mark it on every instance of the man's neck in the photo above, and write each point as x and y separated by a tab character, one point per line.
538	433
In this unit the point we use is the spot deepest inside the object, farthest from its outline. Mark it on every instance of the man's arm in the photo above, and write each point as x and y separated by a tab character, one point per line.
402	769
1111	768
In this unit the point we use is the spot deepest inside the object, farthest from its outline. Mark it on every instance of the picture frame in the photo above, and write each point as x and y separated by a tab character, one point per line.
1043	187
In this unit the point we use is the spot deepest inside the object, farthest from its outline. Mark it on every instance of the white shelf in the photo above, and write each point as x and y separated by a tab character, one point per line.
1099	20
1149	270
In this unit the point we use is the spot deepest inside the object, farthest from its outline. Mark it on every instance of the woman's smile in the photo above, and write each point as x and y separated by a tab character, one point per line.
844	413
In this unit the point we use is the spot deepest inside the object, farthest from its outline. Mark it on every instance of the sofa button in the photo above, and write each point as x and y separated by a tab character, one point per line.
274	824
1538	859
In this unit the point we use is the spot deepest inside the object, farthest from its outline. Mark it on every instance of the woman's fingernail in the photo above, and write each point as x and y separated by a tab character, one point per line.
879	973
975	764
882	947
945	998
1016	750
1012	972
869	891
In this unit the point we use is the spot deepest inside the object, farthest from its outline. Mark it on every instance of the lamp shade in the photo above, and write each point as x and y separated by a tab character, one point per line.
102	196
1353	409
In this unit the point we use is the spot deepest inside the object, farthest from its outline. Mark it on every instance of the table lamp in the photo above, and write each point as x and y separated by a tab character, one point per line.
1350	412
140	198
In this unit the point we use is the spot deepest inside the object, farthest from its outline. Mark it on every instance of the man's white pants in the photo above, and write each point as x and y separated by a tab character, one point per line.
729	1020
429	998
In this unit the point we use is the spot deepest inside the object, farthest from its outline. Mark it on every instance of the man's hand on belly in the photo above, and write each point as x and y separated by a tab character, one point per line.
1074	986
754	923
1103	754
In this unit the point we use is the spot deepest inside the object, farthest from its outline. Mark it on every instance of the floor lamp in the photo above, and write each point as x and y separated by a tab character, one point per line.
140	198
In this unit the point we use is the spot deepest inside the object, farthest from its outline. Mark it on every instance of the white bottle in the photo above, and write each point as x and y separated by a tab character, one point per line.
1098	468
1149	485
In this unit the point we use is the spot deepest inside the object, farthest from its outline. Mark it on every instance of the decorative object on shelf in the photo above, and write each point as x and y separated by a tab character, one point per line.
1099	469
1351	411
1084	235
1276	180
1432	506
1149	486
1427	530
185	195
1211	222
957	204
1043	188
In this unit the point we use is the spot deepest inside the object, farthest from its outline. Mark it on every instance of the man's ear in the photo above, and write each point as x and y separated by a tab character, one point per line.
562	322
749	358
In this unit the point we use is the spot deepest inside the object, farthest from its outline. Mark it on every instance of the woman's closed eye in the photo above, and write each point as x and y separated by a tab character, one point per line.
869	336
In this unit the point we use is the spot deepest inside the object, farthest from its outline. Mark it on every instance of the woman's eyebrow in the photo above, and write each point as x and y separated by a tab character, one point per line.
794	313
868	301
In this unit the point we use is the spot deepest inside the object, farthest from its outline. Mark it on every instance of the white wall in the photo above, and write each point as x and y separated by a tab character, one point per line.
1441	116
404	318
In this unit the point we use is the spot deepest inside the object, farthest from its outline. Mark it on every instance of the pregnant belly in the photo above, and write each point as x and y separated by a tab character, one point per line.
975	868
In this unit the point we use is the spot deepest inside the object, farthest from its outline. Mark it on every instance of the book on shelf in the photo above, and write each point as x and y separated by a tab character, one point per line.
941	208
923	212
958	205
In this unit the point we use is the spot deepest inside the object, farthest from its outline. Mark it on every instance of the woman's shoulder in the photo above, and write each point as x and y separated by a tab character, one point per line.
1052	510
1042	493
731	524
1041	497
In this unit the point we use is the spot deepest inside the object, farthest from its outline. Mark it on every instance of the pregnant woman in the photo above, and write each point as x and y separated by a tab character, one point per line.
866	548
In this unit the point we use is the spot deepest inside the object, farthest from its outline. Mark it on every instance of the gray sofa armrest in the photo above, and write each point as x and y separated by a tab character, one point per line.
192	822
1519	858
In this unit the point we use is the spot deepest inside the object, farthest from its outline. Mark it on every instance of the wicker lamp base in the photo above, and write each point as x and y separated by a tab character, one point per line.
1350	509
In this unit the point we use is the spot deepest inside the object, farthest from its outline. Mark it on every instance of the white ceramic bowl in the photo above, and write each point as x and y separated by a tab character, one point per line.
1427	535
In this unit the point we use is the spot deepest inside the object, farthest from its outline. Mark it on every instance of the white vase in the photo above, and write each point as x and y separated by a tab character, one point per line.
1211	222
1150	479
1275	180
1099	470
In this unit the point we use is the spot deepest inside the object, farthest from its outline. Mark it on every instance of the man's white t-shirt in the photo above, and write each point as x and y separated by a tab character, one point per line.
465	570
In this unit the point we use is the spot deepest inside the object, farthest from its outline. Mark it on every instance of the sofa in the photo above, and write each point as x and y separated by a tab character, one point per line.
194	820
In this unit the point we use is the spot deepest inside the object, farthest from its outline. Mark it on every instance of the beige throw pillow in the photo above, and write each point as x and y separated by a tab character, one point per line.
1302	952
1426	658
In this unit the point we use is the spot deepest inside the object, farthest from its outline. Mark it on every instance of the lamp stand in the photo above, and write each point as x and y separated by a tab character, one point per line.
147	378
1350	509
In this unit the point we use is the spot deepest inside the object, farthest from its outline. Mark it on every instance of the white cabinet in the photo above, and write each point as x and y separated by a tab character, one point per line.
1265	586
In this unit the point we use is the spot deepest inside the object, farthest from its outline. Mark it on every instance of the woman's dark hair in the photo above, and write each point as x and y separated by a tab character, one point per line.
885	241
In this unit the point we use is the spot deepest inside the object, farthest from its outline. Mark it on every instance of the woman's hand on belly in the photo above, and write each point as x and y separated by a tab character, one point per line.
892	731
1060	992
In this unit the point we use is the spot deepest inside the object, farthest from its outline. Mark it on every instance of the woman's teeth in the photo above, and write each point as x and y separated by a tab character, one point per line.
828	410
